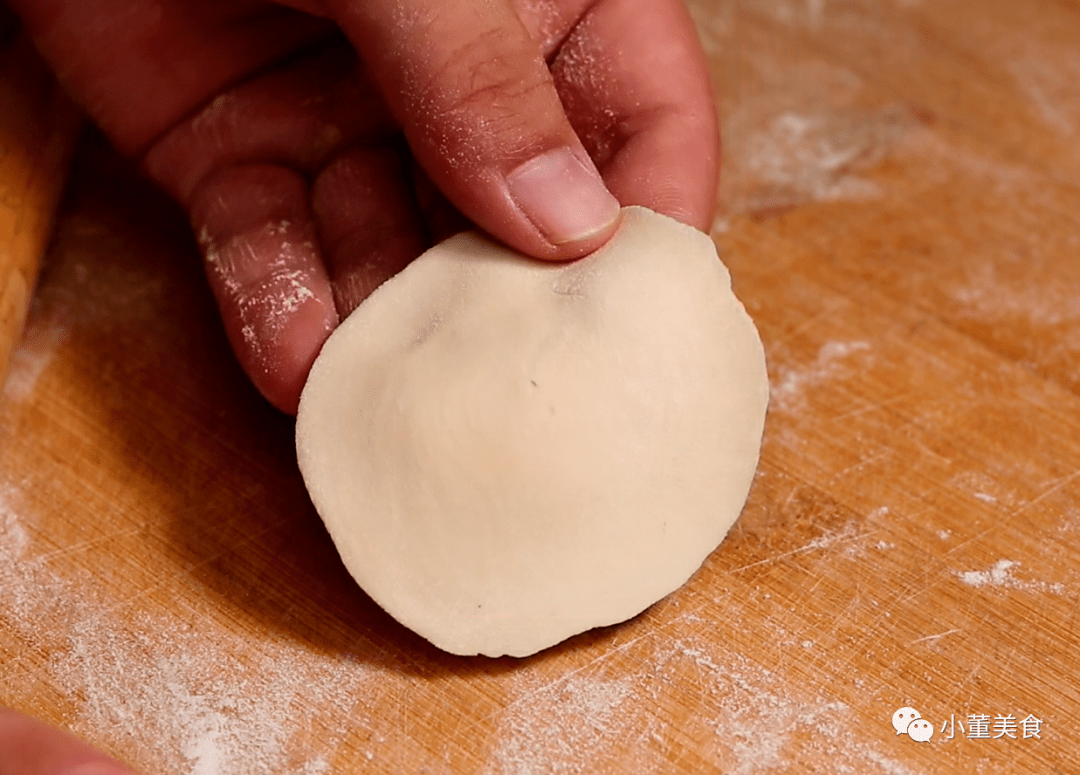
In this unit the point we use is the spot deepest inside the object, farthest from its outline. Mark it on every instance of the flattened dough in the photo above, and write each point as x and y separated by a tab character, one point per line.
508	452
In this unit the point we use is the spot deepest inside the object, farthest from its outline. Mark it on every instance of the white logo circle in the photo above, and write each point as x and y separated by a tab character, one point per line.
920	730
902	717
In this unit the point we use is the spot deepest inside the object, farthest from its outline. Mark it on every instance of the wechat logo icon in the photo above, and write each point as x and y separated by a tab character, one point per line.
908	721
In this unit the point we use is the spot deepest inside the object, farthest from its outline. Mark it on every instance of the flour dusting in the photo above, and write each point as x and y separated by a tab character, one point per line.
170	690
1000	574
764	723
848	537
802	154
742	717
812	155
985	489
787	393
554	729
267	275
999	292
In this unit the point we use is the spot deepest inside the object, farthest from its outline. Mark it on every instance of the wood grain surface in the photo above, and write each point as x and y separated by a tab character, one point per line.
900	211
38	127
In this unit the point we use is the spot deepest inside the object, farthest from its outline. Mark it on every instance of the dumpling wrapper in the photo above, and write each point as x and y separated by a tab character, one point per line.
508	452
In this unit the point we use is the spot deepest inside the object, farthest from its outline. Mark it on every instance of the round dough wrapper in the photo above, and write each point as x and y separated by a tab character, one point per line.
508	452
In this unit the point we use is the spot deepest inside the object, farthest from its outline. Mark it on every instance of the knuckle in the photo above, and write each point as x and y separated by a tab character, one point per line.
481	89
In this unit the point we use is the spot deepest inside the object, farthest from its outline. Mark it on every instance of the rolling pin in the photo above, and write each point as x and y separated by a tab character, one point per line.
38	128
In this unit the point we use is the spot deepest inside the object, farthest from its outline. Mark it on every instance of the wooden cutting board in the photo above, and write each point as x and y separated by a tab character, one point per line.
901	214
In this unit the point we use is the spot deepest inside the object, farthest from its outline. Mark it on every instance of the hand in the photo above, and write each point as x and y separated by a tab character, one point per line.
320	145
32	747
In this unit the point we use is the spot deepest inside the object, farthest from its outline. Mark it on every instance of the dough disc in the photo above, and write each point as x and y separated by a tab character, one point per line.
508	452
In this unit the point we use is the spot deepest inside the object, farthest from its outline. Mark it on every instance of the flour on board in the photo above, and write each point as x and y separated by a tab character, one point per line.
1000	574
810	159
787	392
533	739
742	718
999	291
765	723
178	695
168	690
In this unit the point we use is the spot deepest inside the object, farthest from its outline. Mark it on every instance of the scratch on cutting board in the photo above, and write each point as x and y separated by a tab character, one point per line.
1055	487
84	546
783	555
1058	485
926	638
869	460
830	311
871	406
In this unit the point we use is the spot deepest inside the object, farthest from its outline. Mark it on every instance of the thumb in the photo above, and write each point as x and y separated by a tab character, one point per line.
35	748
479	110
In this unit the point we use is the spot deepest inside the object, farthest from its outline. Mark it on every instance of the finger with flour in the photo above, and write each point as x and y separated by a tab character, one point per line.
266	270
